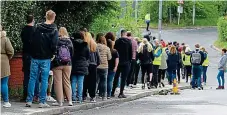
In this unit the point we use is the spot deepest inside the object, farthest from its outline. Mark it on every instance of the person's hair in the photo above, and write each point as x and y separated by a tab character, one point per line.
170	43
110	35
110	44
78	35
92	35
224	50
123	32
101	39
29	18
3	34
184	49
197	46
145	42
63	32
182	44
154	38
129	33
50	15
203	49
83	29
173	50
91	43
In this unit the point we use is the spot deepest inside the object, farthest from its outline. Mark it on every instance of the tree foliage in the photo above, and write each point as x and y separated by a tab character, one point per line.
71	14
208	11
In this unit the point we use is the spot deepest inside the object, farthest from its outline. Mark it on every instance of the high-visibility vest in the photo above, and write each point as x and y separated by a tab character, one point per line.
206	62
187	60
147	17
157	60
182	57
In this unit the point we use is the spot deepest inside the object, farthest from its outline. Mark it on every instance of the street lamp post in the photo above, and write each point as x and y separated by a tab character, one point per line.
160	20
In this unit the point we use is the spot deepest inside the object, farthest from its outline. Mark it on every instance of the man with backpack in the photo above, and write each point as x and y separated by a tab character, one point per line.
43	49
197	59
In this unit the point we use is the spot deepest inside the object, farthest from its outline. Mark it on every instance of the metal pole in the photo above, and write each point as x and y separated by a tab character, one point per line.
193	17
179	14
160	20
170	14
136	10
178	18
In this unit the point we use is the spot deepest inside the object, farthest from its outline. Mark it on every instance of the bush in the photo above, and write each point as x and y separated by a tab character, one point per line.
222	29
70	14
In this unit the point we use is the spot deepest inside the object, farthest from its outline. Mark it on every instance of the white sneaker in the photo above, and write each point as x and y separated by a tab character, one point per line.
57	104
70	103
6	104
43	105
50	99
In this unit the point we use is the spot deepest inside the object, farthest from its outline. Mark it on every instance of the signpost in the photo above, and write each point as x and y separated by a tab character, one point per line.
193	17
180	9
160	20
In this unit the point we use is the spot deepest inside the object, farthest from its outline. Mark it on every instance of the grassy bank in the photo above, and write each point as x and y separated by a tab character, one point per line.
220	44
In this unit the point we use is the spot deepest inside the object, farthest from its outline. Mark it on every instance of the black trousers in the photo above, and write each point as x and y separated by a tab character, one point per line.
26	69
132	72
154	81
188	72
124	71
148	26
178	74
161	75
146	69
90	82
135	77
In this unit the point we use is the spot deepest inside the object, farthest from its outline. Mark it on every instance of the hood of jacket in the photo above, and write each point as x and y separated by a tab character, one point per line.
79	42
47	28
188	53
124	40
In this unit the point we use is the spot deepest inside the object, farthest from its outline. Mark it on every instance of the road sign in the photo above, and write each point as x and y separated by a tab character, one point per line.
180	9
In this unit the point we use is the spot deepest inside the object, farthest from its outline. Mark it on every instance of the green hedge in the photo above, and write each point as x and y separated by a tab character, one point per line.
222	29
70	14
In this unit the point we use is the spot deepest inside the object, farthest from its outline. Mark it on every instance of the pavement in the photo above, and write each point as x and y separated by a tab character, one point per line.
18	108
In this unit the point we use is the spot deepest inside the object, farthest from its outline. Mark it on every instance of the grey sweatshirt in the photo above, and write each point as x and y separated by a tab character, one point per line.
222	62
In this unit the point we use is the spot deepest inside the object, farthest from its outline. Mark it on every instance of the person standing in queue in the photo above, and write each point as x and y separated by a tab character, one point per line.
162	67
197	59
156	63
146	57
187	64
205	65
172	61
124	47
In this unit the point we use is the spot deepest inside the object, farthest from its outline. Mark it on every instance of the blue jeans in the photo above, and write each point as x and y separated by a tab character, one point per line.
39	68
196	78
102	76
205	74
220	77
110	78
172	75
4	89
77	86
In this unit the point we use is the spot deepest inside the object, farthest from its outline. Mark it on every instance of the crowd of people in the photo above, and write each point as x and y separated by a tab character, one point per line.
83	65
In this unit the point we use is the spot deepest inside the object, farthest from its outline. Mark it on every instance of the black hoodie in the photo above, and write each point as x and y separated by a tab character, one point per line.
124	49
80	59
44	42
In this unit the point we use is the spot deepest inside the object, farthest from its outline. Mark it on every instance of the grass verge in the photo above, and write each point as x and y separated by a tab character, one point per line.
220	44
